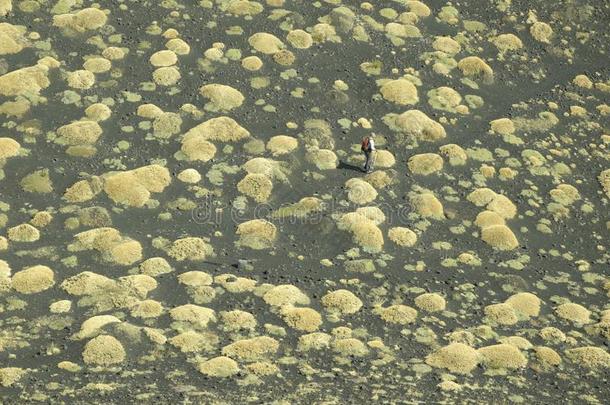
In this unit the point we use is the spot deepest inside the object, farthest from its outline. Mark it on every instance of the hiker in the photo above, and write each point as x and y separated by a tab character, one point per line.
368	147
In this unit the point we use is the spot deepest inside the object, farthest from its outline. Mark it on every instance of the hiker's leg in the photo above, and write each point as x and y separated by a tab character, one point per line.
367	162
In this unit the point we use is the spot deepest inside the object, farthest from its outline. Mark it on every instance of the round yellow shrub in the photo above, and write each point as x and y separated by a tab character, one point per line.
166	76
253	349
456	357
359	191
23	233
299	39
257	234
541	32
502	356
525	303
252	63
163	58
399	314
303	319
282	144
285	294
428	206
342	301
488	218
425	163
219	367
419	125
256	186
500	237
222	96
473	66
573	312
266	43
189	248
507	42
430	302
33	279
103	350
8	148
400	91
591	357
502	314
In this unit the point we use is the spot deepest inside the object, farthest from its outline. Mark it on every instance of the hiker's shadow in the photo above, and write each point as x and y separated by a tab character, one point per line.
345	165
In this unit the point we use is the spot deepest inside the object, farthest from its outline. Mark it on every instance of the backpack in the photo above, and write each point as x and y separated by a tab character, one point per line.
365	146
